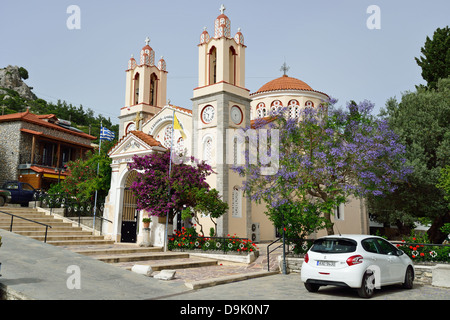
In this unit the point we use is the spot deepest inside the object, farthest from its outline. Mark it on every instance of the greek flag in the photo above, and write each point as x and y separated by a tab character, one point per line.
106	134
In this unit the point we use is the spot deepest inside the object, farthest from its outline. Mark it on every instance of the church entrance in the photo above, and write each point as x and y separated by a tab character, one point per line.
129	212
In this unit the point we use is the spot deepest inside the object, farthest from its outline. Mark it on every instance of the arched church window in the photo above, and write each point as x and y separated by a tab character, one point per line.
309	104
130	127
212	65
179	147
261	110
235	151
275	107
236	210
167	138
232	65
136	88
153	87
294	108
207	150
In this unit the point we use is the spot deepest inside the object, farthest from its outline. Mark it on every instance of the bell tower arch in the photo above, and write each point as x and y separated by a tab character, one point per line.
146	88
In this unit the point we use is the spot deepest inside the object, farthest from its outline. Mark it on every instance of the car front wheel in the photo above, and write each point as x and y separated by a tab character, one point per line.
367	286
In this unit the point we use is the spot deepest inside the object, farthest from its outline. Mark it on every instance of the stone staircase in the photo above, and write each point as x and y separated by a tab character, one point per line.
196	271
129	255
68	236
60	234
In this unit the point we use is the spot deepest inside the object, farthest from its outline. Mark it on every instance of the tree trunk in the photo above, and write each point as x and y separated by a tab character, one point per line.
434	234
330	229
403	229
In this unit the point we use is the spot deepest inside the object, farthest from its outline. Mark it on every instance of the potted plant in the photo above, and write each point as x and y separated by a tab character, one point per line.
146	222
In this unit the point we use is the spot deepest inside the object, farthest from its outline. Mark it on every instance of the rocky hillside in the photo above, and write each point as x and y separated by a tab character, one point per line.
12	78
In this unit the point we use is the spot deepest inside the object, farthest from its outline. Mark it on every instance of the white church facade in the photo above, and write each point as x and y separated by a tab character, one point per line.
220	102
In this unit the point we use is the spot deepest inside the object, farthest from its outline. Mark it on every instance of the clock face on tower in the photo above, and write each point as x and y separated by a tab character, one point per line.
236	114
207	114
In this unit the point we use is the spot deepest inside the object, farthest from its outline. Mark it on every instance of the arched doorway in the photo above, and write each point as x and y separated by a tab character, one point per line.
129	211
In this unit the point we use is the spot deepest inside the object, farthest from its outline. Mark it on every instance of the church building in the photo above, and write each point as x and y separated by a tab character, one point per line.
220	102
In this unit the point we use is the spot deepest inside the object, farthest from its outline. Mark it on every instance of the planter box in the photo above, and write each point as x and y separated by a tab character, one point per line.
220	255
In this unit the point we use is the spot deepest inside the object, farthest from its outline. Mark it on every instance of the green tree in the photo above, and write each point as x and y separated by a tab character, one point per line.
23	73
326	155
435	62
444	183
84	181
205	202
422	121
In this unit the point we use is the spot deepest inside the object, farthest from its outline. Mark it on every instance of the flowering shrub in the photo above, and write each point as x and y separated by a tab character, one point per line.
417	248
188	239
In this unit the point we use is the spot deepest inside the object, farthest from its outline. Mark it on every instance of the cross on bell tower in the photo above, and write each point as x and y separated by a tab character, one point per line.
222	9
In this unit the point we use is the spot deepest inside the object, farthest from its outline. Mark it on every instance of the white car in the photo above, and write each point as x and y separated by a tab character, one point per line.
364	262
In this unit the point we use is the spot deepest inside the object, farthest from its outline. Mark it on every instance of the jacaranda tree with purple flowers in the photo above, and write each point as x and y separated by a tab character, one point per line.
153	181
326	155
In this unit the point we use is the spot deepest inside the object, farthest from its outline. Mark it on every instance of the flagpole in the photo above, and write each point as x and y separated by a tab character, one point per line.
170	170
98	166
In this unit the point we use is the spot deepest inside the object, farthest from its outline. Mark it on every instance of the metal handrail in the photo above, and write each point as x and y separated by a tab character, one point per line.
287	243
14	215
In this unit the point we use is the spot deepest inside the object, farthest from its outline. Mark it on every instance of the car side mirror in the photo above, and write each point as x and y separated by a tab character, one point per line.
399	252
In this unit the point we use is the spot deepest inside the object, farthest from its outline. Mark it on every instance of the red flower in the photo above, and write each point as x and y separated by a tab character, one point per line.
422	254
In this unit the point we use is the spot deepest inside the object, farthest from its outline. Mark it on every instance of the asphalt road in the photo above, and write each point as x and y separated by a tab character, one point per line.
290	287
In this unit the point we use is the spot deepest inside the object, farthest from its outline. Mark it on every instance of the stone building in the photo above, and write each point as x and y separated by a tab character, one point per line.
35	148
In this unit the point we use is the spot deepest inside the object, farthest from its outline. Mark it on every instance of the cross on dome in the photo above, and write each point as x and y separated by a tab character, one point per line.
222	9
147	41
284	68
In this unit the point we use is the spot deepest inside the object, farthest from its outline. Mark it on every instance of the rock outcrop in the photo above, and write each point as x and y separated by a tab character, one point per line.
10	78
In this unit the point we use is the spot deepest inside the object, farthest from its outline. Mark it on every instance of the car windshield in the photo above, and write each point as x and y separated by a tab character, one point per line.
334	245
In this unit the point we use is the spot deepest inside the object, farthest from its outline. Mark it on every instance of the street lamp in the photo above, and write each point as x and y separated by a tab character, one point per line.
59	171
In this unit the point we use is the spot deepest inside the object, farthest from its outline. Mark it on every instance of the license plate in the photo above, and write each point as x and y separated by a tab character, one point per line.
326	263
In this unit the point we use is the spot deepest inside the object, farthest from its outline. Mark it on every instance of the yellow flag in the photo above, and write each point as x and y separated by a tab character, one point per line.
176	126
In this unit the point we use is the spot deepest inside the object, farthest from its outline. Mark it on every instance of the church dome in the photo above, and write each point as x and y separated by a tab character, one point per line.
284	83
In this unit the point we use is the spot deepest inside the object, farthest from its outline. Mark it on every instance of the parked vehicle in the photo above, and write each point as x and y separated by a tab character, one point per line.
5	197
21	192
363	262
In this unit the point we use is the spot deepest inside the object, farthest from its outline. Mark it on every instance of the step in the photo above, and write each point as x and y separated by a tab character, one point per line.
52	232
37	227
118	258
39	218
227	279
31	215
65	237
111	251
80	242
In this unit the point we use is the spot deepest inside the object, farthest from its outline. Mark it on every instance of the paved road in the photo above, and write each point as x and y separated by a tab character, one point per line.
290	287
45	272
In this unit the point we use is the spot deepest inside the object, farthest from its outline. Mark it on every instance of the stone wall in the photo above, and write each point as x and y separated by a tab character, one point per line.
9	150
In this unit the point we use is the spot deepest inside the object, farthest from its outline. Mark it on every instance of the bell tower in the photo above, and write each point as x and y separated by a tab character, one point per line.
221	102
146	87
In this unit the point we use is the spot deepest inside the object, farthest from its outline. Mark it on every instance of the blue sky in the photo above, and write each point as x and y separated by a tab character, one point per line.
326	43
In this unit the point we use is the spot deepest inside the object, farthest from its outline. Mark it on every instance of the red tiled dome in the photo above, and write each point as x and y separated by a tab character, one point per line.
284	83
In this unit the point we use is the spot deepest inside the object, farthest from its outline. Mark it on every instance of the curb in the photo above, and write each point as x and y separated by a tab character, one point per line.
222	280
